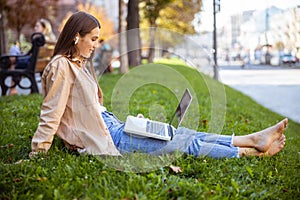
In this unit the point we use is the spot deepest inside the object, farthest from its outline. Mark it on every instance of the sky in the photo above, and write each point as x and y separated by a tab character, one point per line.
231	7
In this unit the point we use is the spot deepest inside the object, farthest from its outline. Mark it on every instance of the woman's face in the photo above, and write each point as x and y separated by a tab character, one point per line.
38	27
88	43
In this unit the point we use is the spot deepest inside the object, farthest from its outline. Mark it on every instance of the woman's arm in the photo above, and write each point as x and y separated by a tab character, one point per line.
57	85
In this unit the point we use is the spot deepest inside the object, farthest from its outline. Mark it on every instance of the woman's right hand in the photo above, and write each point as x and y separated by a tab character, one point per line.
140	115
33	154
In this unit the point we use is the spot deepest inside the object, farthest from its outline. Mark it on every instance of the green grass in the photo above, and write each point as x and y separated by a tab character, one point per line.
65	175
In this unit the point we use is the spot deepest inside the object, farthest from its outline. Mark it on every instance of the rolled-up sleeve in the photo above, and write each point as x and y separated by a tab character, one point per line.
56	89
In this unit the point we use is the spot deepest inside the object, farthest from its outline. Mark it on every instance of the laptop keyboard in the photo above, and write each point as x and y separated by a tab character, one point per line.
156	128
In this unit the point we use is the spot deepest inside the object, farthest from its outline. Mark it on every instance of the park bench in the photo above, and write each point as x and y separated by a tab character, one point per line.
44	57
6	73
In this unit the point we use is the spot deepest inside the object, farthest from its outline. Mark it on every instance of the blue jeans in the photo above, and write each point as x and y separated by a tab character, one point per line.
185	140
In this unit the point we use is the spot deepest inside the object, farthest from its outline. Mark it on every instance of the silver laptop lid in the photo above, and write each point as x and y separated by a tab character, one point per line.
181	109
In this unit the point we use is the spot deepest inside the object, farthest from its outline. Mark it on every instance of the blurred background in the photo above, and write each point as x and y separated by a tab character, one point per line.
136	31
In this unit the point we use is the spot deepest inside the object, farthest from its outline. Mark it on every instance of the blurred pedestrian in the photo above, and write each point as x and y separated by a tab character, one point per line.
15	49
43	26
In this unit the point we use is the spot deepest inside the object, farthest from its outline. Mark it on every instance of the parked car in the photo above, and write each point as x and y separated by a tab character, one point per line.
289	59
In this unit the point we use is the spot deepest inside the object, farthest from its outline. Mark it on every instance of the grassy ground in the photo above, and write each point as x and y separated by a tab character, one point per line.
151	90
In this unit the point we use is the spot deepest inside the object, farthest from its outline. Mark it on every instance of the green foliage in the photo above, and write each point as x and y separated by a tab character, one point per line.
152	8
178	16
175	15
65	175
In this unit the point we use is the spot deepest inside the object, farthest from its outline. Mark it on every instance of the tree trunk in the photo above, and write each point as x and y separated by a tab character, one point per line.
152	44
122	40
2	33
133	33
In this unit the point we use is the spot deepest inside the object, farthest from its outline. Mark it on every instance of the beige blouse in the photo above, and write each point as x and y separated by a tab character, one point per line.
71	109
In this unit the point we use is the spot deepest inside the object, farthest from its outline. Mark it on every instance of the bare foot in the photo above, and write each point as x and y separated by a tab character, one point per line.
264	139
276	146
245	151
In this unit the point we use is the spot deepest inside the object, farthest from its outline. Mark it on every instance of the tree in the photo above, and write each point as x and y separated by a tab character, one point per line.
133	33
24	12
176	15
122	40
107	25
151	12
2	33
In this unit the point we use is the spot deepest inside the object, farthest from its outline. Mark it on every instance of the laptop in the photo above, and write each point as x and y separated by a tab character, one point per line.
145	127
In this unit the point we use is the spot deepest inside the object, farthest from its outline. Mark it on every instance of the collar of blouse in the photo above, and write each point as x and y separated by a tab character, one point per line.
80	61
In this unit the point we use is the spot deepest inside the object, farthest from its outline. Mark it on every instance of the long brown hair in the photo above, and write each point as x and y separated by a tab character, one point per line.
80	22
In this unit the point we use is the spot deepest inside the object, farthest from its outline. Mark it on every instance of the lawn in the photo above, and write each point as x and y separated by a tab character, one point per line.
153	90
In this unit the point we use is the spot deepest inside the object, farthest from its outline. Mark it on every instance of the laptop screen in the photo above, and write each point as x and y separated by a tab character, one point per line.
181	109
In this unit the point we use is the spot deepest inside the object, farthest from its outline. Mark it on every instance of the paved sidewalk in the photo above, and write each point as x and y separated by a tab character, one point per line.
276	88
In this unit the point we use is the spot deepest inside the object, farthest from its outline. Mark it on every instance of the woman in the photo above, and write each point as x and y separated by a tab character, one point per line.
46	51
73	109
43	26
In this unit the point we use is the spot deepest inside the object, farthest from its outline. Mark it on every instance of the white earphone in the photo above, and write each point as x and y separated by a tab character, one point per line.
76	40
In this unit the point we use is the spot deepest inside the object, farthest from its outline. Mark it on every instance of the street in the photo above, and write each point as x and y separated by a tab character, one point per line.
276	88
